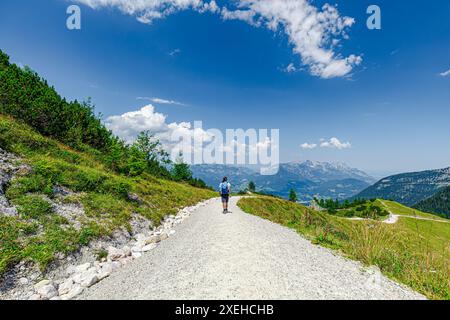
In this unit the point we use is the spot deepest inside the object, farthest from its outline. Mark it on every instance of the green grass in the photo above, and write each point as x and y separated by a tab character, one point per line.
370	210
38	234
414	252
400	209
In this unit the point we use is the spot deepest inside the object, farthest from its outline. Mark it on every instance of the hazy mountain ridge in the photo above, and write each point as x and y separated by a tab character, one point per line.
308	178
409	188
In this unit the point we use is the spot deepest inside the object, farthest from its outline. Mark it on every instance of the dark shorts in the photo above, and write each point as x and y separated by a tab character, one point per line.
225	198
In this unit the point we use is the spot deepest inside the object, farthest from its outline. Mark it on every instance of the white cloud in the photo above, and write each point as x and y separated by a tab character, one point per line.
335	143
147	11
290	68
313	32
161	101
445	73
174	52
308	146
128	125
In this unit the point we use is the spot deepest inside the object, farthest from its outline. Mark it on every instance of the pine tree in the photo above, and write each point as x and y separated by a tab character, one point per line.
251	186
181	170
293	196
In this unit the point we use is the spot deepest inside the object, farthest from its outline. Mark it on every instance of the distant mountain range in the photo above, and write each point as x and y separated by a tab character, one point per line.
308	178
408	188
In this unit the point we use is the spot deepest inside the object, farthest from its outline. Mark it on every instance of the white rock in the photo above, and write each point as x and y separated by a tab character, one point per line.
136	255
47	291
89	279
127	251
152	239
115	254
140	237
42	284
163	236
23	281
105	271
92	269
126	260
115	265
149	247
55	298
76	290
82	267
65	287
77	278
107	267
34	297
136	249
71	270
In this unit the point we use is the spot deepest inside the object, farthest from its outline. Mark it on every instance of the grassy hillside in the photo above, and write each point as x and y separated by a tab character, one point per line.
359	208
37	234
400	209
439	203
414	252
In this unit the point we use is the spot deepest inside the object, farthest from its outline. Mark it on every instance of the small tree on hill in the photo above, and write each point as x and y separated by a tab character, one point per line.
181	170
293	196
251	186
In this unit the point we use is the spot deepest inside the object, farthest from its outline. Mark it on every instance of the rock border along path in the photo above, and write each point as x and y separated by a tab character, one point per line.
241	256
80	277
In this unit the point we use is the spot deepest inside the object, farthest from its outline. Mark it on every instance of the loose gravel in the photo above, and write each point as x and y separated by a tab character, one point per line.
240	256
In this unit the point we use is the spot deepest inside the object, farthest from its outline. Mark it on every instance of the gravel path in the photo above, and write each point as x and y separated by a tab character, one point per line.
393	218
240	256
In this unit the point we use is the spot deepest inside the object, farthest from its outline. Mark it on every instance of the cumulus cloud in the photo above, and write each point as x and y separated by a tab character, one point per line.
147	11
335	143
313	32
185	137
445	73
128	125
308	146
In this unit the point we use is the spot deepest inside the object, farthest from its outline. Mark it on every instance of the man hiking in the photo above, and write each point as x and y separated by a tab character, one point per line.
225	190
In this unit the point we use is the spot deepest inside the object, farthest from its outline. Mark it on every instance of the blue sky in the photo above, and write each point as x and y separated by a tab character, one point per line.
393	107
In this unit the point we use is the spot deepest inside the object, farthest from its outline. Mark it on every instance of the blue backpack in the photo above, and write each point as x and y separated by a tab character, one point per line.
224	188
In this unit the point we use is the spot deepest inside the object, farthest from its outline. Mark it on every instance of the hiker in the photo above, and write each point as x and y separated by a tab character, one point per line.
225	190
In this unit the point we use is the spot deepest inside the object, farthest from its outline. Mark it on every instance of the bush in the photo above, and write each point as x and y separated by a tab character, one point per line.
33	207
